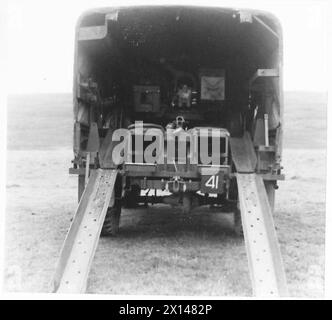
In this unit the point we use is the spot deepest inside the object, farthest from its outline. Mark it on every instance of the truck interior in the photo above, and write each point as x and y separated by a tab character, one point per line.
212	67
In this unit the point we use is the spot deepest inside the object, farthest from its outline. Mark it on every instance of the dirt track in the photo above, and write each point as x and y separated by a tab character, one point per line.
158	251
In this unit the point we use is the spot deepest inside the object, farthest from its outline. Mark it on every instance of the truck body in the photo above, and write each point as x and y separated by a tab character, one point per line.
159	73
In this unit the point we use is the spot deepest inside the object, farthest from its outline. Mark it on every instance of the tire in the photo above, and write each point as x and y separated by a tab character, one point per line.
112	220
233	191
238	230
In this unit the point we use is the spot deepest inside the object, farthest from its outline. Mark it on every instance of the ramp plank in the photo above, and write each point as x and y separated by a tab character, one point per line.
264	257
243	153
81	241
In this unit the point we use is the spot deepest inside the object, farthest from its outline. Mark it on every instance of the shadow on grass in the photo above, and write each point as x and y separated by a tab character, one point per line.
165	222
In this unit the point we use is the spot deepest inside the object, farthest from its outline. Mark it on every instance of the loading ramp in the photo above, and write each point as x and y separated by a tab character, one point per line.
264	257
263	252
82	239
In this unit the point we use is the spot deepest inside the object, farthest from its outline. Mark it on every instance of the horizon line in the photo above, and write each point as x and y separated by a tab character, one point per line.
68	92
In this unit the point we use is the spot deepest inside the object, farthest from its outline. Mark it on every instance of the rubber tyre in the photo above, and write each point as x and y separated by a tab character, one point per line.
112	220
238	230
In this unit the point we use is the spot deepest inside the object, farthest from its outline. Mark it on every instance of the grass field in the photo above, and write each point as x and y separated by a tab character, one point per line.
158	251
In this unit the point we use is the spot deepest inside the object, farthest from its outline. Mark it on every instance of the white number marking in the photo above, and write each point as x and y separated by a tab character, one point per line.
212	182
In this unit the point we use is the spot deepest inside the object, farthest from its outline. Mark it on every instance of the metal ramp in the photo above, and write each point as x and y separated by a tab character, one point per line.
243	153
264	257
81	241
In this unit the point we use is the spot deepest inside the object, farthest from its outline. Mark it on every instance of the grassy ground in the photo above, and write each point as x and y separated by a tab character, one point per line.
158	251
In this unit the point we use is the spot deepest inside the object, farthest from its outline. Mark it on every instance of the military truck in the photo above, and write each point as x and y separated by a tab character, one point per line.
156	74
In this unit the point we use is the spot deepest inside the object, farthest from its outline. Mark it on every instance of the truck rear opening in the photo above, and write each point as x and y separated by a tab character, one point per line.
162	73
132	62
204	82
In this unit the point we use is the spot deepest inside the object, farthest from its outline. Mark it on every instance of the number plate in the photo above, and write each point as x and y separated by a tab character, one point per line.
212	183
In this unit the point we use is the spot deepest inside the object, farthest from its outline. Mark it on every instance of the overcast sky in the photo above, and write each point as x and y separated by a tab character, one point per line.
41	41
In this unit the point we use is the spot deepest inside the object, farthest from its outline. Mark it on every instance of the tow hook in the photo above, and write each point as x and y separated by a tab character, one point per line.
175	184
